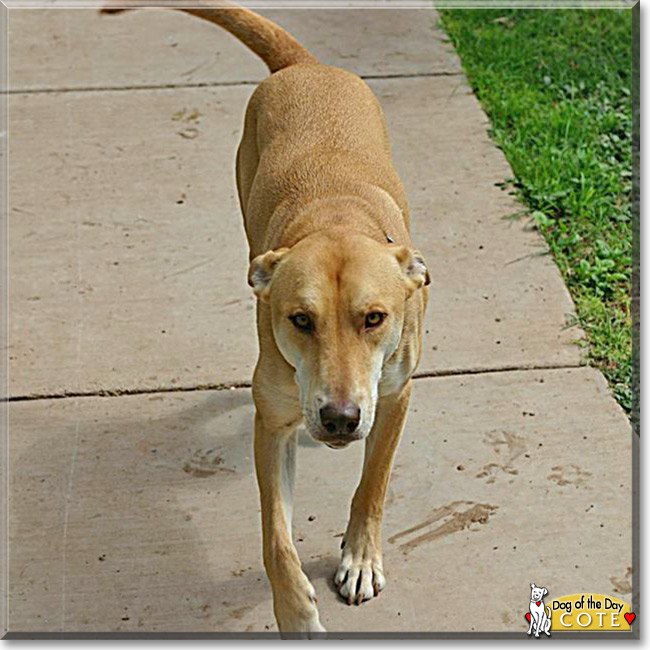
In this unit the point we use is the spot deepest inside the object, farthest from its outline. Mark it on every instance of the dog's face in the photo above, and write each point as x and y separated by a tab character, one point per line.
337	305
537	593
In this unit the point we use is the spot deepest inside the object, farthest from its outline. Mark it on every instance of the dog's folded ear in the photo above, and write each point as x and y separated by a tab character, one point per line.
261	271
545	591
414	267
532	585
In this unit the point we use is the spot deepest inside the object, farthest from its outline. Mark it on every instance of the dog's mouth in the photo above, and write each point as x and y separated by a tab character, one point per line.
337	444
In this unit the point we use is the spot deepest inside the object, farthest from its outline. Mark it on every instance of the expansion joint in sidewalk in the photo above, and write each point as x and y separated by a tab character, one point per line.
459	372
200	84
121	392
432	374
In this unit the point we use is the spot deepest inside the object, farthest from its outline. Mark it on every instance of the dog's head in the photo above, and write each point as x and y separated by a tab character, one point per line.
537	593
337	301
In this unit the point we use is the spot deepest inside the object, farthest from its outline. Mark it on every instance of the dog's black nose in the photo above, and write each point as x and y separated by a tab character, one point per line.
340	419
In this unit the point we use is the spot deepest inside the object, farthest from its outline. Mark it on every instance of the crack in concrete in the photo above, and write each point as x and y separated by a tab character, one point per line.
456	372
121	392
203	84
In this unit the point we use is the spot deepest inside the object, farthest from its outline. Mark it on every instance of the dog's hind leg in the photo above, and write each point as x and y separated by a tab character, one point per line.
360	575
294	598
547	622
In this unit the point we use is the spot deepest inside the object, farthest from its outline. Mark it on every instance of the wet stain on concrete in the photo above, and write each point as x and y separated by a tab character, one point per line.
492	470
238	613
508	446
238	573
205	463
506	443
454	517
568	475
623	585
437	514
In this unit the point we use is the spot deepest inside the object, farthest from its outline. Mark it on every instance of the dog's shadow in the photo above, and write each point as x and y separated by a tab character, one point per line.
171	471
190	470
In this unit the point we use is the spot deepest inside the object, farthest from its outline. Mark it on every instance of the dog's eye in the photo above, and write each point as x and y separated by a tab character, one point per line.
374	318
302	322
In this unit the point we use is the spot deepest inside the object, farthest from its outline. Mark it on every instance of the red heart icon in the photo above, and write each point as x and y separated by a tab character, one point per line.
630	617
527	615
538	603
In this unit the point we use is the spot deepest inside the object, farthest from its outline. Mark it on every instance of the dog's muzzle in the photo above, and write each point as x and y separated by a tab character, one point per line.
339	424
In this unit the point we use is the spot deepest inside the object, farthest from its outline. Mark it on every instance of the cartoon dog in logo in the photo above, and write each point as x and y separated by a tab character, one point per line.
539	619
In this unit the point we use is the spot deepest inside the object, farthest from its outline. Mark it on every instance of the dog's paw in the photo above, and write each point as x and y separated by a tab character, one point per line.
297	616
302	628
360	575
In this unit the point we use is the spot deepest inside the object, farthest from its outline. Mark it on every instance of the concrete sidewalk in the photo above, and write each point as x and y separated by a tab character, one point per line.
133	500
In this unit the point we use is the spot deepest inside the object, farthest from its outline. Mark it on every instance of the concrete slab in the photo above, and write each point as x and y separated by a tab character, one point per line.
498	299
113	268
78	48
140	513
127	267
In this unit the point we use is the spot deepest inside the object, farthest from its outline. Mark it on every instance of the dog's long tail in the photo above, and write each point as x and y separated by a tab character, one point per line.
275	46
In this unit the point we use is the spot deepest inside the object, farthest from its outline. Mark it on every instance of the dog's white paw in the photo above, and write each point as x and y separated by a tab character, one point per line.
298	616
360	575
302	628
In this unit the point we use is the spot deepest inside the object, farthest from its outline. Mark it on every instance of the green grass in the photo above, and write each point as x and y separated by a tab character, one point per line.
556	85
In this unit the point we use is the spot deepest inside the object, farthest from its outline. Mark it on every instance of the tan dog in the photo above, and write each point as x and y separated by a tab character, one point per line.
340	296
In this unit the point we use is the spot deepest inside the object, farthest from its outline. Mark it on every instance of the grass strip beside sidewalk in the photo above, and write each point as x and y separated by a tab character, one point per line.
556	85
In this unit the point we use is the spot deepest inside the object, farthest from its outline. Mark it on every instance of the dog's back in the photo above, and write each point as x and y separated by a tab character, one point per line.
316	128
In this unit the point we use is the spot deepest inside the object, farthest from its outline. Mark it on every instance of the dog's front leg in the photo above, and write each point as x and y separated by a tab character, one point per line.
532	622
360	575
294	598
